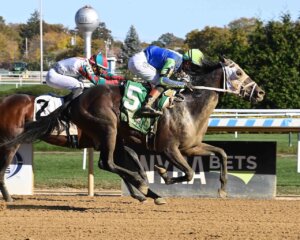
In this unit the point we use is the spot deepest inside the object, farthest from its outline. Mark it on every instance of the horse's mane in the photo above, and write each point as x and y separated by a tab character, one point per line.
207	66
199	74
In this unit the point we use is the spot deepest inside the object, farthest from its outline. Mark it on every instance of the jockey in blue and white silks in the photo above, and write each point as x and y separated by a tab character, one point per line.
156	65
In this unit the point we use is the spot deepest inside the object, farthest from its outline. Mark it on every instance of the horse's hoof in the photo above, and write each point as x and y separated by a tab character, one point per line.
140	199
143	201
222	193
160	201
9	199
160	170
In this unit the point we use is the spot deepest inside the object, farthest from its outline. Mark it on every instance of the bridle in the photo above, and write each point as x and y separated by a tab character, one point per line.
240	90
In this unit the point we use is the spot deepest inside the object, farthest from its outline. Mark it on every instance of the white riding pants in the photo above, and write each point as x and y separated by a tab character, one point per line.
56	80
139	66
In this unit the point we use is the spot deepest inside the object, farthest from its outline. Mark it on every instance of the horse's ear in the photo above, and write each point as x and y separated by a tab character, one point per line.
222	58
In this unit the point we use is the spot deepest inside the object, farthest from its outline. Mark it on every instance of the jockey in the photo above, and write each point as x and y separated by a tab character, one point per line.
69	73
156	65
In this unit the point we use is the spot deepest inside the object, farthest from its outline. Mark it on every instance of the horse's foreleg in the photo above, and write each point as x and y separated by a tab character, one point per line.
113	150
133	192
133	157
175	157
5	160
204	149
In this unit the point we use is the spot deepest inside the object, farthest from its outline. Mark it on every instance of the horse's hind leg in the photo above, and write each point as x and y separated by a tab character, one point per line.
136	166
113	148
6	157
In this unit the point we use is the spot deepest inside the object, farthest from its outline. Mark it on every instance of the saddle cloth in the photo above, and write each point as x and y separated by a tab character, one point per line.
45	104
134	95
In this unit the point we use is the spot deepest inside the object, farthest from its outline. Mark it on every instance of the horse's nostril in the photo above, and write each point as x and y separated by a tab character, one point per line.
261	93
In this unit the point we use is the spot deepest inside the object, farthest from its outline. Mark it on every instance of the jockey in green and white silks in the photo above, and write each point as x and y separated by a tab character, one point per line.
156	65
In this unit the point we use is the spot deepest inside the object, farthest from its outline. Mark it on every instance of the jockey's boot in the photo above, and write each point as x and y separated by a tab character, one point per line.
76	92
147	108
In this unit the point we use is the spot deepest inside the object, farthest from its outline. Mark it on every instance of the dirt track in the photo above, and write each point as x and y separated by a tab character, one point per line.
83	217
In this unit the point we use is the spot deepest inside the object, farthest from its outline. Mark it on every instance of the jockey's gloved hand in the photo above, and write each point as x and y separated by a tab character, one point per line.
189	86
186	79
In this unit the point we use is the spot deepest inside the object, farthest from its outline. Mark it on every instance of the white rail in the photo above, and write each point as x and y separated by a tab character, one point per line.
28	78
256	113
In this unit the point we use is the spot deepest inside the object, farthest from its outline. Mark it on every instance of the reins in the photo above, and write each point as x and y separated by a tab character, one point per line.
226	83
224	89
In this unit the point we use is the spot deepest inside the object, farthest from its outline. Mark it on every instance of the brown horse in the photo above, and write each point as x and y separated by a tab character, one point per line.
180	130
17	110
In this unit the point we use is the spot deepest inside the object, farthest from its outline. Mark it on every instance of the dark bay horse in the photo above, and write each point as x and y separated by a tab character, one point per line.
17	110
180	130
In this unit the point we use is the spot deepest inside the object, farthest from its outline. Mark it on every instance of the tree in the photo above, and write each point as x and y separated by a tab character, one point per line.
169	40
213	41
30	30
9	38
32	27
102	32
2	21
131	44
274	61
8	49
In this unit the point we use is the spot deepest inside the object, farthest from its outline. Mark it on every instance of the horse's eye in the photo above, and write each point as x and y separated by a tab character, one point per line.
239	73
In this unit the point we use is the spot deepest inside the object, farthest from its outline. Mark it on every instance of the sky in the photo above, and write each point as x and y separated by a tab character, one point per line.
151	18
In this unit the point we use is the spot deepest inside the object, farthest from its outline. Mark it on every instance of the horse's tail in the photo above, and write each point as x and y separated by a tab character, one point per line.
38	129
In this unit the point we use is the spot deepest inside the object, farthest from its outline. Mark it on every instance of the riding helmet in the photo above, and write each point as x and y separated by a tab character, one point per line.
99	60
193	55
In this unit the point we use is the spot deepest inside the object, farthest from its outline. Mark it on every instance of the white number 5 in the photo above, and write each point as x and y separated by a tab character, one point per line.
131	94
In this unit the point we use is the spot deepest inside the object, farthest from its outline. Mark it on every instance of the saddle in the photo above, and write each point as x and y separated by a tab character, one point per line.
47	103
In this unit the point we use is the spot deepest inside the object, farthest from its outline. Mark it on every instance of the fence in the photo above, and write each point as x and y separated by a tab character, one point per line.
255	120
27	78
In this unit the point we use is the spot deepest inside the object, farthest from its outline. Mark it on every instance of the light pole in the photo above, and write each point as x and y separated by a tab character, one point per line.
41	42
107	44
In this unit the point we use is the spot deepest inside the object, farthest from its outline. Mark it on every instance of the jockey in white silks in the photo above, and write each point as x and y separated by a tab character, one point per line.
69	73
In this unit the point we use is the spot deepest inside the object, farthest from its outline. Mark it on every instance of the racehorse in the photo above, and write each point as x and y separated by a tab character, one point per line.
180	130
17	110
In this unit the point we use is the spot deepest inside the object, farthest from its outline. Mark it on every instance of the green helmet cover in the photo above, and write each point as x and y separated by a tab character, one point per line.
194	55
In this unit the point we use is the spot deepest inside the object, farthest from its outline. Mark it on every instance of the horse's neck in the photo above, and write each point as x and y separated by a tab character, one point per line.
201	103
212	79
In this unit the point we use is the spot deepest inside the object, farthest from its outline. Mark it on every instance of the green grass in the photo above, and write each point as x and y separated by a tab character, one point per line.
61	170
284	145
6	87
30	89
288	180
